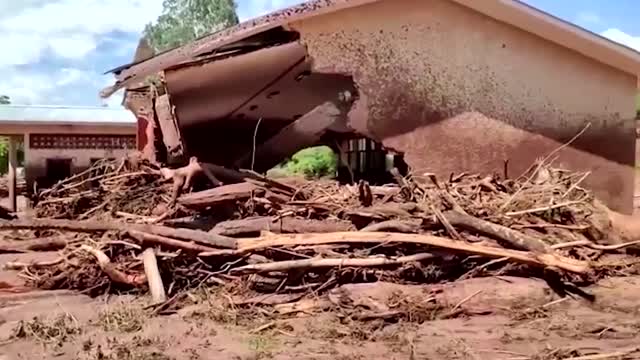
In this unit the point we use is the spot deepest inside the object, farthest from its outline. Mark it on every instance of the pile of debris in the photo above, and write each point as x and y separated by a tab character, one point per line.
131	225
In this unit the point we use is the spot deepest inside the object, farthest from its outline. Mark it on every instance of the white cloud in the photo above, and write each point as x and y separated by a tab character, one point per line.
86	16
20	49
75	46
69	76
26	88
63	30
48	87
623	38
70	29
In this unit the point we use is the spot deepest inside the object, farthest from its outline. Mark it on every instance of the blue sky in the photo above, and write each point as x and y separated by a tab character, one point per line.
55	51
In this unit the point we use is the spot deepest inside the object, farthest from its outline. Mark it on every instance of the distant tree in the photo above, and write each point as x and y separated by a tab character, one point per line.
185	20
5	100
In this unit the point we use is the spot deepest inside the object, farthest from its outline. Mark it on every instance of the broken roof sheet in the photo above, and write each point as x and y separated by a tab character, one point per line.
512	12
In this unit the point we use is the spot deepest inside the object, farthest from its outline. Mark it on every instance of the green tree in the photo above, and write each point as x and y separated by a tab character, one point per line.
314	162
5	100
185	20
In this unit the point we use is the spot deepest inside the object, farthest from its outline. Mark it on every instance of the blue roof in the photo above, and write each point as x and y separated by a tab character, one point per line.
64	114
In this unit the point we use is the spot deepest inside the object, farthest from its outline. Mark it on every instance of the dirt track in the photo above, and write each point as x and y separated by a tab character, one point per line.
521	321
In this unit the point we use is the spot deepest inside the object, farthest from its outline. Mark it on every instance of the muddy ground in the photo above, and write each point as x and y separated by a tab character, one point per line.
512	318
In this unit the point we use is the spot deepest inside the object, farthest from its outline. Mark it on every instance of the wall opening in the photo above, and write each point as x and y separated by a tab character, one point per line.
57	170
313	162
366	159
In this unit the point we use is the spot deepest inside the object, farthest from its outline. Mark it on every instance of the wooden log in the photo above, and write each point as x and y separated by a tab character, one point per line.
385	211
197	236
256	225
237	176
114	274
156	287
393	226
42	244
271	240
221	194
514	238
153	240
322	263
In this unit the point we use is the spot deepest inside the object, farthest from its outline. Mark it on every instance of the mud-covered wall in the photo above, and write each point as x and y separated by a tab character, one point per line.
458	91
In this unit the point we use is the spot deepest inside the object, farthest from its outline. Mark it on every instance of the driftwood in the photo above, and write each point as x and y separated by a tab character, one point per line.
42	244
156	287
320	263
101	226
501	233
393	226
384	211
218	176
153	240
290	225
114	274
271	240
222	194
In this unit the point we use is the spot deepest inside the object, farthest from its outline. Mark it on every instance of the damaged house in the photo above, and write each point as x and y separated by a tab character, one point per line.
448	85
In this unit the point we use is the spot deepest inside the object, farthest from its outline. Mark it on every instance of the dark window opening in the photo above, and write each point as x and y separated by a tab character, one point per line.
57	170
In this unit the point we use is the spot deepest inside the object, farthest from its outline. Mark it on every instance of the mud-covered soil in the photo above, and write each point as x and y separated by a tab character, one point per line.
503	318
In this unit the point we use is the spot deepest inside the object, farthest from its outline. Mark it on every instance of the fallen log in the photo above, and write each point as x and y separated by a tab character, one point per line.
147	239
43	244
156	287
321	263
101	226
384	211
501	233
221	194
393	226
272	240
114	274
290	225
218	176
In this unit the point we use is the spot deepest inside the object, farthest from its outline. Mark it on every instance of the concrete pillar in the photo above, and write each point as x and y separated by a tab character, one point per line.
13	171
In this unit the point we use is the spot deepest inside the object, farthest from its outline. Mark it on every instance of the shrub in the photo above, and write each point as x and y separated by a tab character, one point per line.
314	162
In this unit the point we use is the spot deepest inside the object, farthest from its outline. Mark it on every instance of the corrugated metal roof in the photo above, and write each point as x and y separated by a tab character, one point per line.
65	114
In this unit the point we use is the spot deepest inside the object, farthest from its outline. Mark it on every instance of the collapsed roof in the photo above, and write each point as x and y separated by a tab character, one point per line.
253	93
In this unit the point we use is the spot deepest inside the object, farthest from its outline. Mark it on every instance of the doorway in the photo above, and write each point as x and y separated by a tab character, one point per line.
58	169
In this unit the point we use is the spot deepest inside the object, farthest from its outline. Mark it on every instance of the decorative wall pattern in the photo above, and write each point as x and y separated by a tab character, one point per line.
63	141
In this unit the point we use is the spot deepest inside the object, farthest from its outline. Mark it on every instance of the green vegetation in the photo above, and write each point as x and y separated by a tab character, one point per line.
4	145
183	21
313	162
4	155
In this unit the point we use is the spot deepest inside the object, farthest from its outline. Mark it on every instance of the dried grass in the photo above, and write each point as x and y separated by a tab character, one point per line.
55	331
122	318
